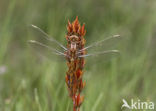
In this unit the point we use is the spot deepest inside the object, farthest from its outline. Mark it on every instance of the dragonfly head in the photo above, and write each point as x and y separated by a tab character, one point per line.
73	40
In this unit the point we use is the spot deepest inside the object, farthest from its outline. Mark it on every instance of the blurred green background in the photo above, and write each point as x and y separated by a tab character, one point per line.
29	83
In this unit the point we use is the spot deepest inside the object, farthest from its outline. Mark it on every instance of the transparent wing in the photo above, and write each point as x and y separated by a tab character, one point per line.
102	50
100	53
45	51
45	45
40	35
107	43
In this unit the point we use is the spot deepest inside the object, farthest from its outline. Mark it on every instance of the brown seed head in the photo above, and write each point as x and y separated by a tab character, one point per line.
75	28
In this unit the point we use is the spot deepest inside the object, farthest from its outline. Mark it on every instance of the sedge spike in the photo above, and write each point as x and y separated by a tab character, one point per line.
75	42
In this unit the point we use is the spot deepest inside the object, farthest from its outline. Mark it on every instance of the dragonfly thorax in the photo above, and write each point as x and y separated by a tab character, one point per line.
73	46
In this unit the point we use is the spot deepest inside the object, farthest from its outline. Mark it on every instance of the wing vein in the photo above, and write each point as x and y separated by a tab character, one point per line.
97	53
52	49
99	42
46	36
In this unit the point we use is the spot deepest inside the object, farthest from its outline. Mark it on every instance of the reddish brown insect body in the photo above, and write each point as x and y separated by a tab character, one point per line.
75	42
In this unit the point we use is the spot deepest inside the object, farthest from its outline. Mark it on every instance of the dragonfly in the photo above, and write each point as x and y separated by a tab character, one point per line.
58	50
74	53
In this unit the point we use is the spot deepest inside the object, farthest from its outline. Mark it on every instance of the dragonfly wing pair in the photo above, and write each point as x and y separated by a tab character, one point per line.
103	47
45	45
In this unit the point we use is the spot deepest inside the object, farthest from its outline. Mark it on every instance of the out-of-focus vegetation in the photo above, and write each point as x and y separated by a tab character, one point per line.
29	83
